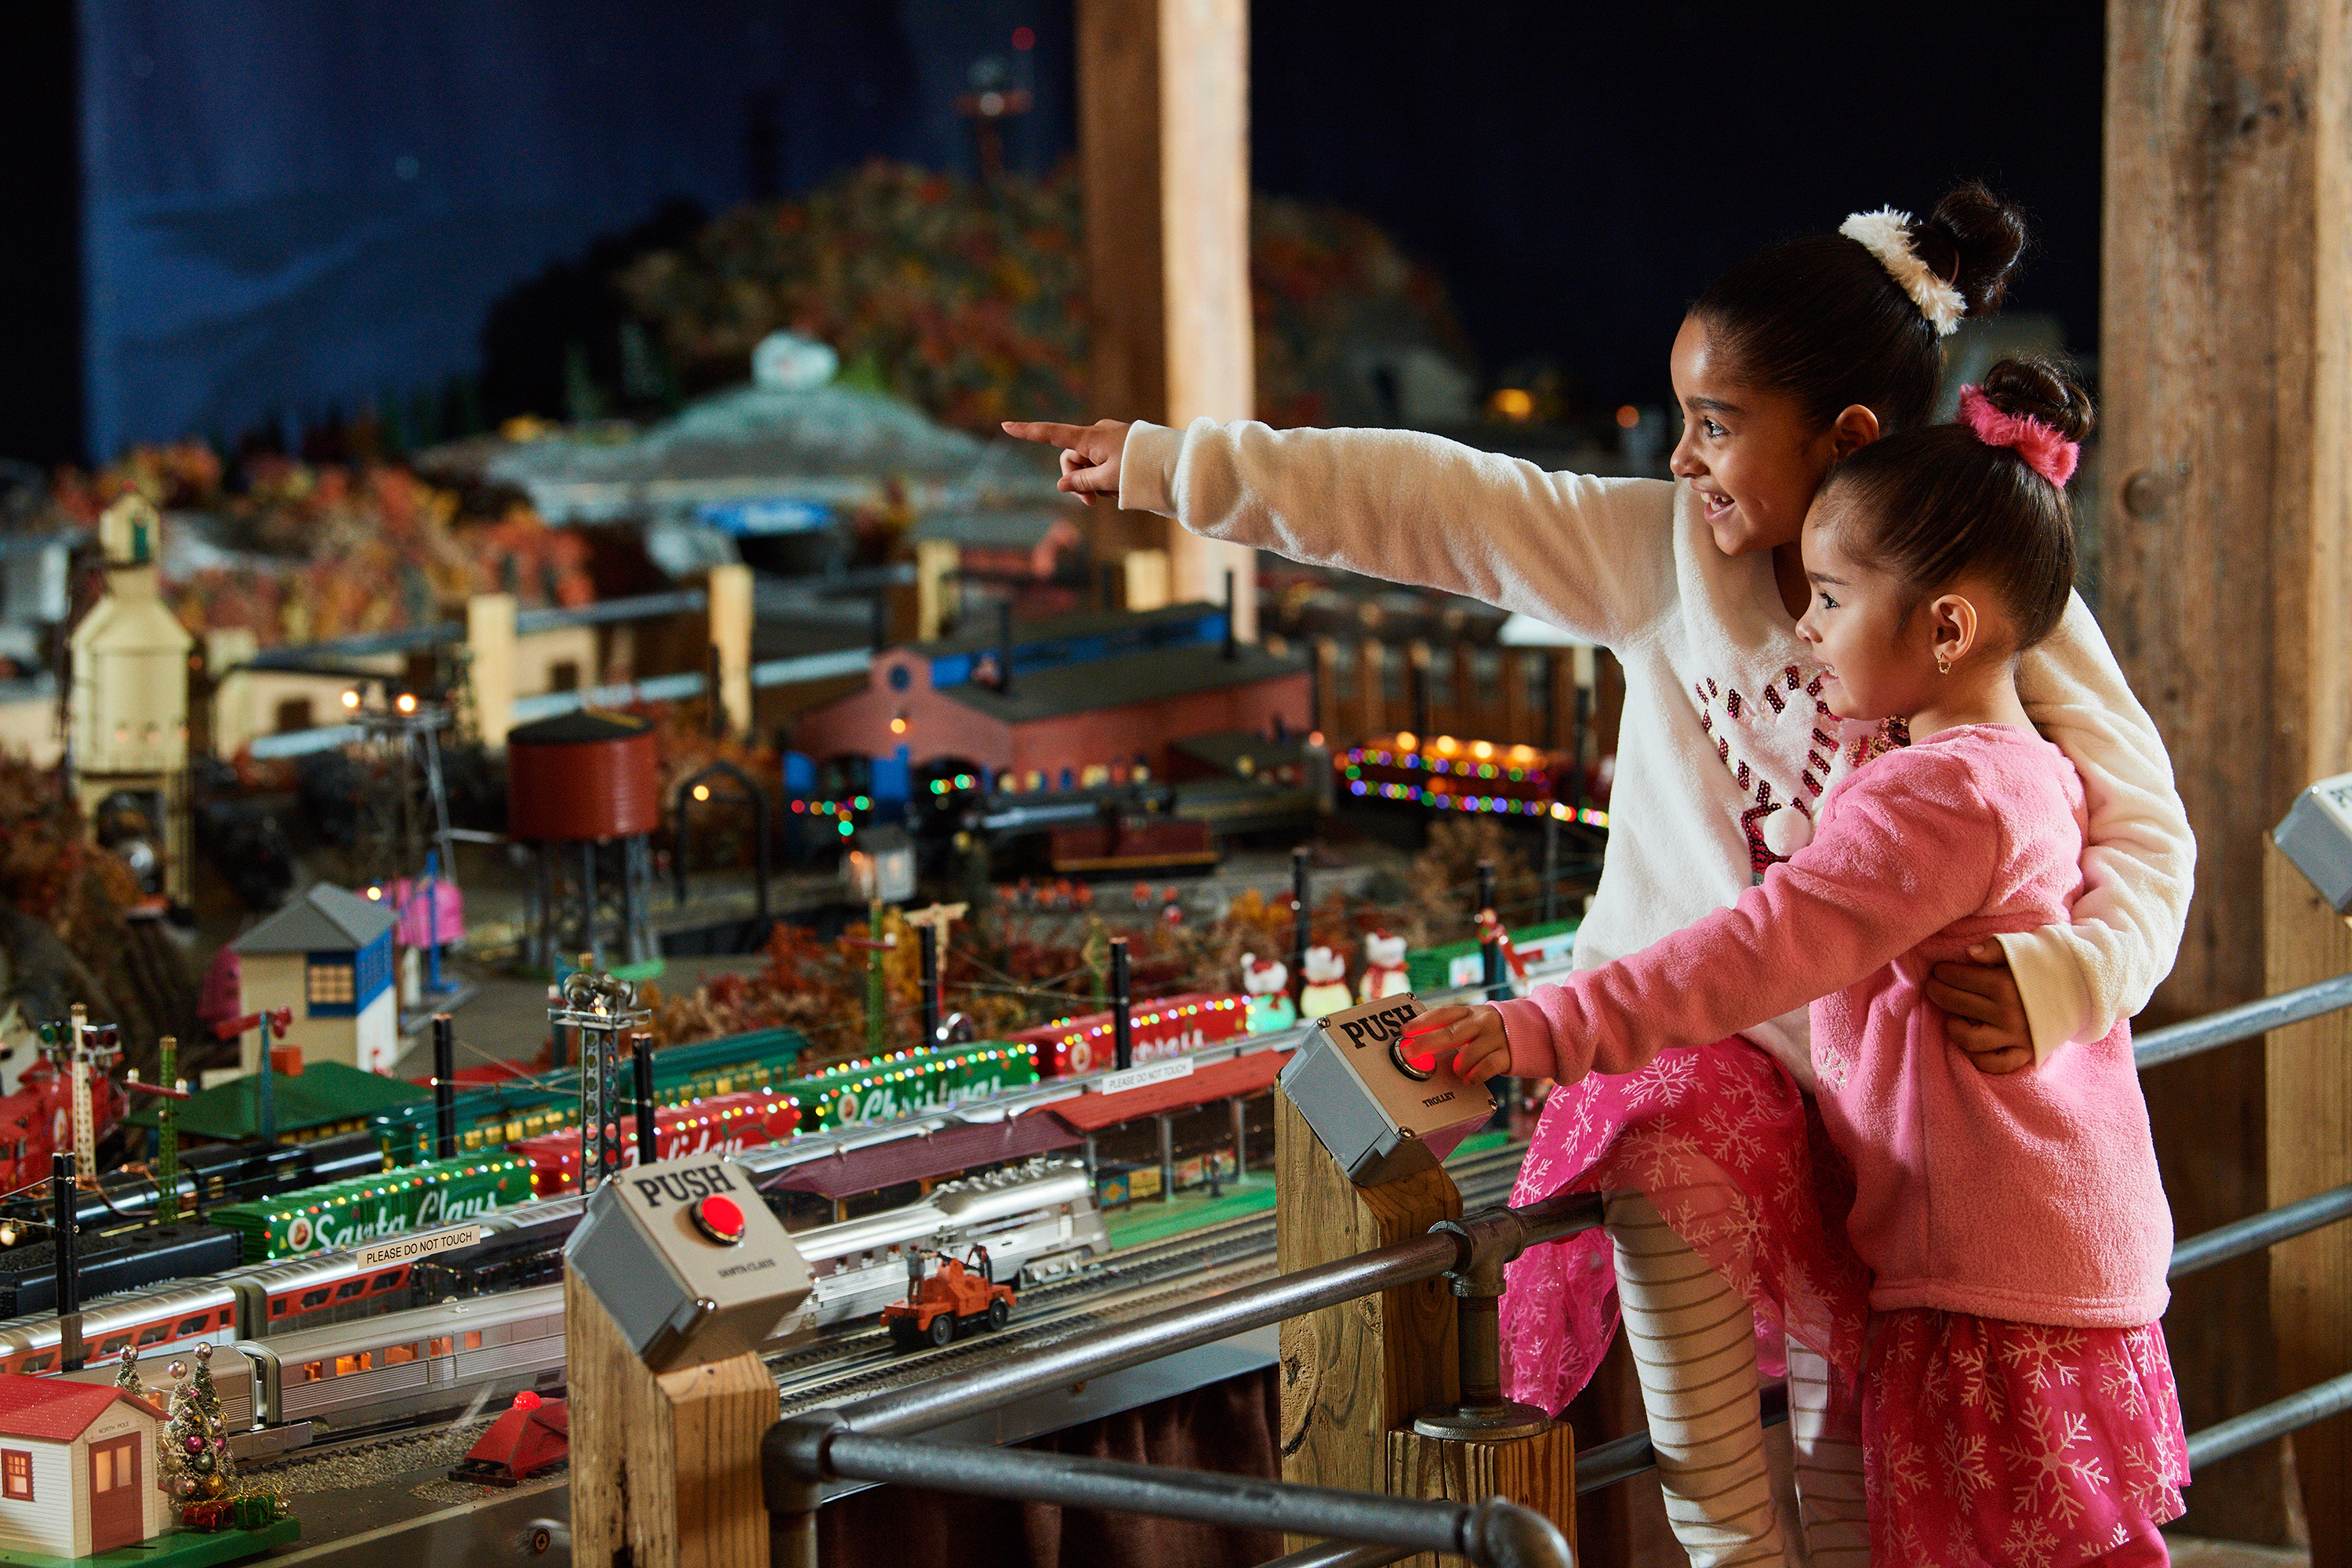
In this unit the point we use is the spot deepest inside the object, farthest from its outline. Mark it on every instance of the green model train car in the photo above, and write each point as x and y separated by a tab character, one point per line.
490	1116
907	1081
369	1208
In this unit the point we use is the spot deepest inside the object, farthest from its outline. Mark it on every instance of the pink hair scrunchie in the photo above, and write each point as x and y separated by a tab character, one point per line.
2045	451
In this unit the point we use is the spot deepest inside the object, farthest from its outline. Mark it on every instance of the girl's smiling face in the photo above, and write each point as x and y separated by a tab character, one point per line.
1750	455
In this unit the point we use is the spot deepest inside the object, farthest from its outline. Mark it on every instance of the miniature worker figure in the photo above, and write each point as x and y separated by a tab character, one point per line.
1326	991
1384	973
1268	986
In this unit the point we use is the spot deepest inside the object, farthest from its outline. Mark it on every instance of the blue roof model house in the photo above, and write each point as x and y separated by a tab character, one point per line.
326	955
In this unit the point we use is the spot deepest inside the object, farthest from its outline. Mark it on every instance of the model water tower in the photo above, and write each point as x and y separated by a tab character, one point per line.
127	724
583	789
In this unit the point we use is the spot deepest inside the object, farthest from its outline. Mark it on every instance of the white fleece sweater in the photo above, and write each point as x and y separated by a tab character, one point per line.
1724	751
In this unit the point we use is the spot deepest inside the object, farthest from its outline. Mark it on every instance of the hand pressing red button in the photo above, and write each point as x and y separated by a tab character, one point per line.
717	1219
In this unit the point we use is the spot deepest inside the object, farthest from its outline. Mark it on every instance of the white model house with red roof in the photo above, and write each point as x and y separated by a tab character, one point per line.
76	1467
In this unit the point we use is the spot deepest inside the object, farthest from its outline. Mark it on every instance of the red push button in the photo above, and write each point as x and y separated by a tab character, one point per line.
719	1219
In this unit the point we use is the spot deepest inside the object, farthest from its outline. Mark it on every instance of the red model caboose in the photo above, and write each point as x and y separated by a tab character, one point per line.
953	1297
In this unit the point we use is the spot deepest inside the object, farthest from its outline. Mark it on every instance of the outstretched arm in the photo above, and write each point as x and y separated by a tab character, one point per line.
2139	858
1908	847
1592	556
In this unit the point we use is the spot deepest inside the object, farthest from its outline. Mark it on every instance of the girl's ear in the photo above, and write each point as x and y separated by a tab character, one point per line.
1952	628
1854	429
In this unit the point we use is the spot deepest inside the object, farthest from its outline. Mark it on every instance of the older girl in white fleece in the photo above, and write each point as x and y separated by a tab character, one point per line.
1723	1228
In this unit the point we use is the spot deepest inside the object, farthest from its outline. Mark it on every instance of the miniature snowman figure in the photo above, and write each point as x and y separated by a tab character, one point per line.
1384	973
1326	991
1268	986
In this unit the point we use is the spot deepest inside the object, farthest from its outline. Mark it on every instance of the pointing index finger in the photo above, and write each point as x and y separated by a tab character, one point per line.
1045	431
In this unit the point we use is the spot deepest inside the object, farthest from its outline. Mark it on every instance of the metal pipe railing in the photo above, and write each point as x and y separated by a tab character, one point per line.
1494	1533
1075	1360
1339	1554
2243	1021
2263	1423
2258	1231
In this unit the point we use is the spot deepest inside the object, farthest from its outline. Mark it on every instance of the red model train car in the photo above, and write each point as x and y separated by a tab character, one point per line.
1164	1027
718	1125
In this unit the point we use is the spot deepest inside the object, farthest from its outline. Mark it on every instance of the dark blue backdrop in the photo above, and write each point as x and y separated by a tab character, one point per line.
288	208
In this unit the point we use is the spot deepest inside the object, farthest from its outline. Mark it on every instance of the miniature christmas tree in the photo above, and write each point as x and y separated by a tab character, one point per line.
195	1447
126	1377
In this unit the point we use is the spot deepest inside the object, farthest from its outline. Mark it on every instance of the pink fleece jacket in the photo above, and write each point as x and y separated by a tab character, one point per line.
2031	1198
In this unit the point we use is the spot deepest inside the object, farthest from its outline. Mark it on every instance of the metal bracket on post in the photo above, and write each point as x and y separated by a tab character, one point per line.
1487	1242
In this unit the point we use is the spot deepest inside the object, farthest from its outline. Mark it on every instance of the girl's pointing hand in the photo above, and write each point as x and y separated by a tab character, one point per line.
1090	452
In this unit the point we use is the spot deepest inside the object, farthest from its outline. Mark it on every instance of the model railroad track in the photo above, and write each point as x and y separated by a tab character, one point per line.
1123	1285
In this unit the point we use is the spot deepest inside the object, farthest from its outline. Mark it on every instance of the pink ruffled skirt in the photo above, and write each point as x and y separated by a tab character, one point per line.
1987	1441
1735	1159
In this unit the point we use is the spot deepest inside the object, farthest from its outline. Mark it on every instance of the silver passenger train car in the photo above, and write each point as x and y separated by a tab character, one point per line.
282	1376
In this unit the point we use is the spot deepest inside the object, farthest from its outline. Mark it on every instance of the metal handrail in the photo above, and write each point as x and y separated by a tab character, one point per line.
1494	1533
867	1440
2243	1021
922	1406
2265	1422
2258	1231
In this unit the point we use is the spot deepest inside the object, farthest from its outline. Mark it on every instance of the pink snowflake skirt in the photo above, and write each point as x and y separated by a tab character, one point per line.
1987	1441
1735	1159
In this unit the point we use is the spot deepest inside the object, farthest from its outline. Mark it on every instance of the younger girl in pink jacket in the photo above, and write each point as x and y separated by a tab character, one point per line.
2018	1403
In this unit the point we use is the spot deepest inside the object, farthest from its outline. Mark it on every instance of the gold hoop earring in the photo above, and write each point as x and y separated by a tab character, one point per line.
1943	665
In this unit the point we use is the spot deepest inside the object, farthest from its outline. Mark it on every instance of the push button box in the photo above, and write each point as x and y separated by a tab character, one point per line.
688	1261
1382	1112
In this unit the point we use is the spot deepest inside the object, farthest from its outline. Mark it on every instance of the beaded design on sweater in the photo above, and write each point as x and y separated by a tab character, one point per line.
1769	846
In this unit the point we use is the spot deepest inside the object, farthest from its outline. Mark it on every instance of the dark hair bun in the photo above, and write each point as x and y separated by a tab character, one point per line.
1973	239
2044	389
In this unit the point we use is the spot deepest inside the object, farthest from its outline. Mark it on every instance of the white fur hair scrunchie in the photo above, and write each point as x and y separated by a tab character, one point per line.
1886	234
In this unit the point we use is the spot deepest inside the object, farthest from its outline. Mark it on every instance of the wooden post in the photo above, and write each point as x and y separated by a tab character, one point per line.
664	1468
1353	1373
2309	1084
1163	88
2227	301
1205	227
490	670
731	633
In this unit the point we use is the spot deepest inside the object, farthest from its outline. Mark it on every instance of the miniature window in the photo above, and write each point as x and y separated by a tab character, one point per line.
313	1299
351	1288
41	1362
312	1371
195	1325
331	983
113	1344
17	1474
347	1364
563	675
399	1355
474	1339
154	1333
388	1278
294	713
439	1345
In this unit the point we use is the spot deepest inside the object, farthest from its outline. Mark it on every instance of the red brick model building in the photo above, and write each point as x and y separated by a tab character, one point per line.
1087	694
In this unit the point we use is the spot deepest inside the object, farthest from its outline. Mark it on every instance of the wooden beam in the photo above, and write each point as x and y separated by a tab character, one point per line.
1163	131
1204	234
2227	294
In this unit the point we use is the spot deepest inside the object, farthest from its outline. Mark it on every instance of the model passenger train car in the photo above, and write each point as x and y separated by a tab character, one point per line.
304	1358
